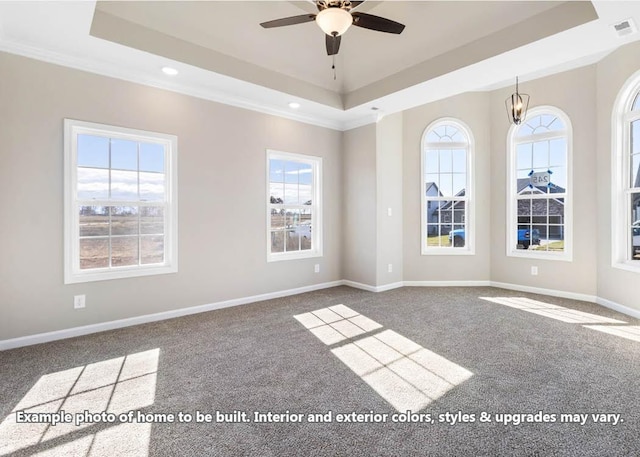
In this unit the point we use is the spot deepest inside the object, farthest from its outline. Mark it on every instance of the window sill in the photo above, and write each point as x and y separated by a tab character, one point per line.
448	251
633	267
120	273
543	255
293	256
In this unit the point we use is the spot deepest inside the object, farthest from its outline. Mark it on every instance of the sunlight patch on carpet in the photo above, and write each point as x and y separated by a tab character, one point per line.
557	312
336	323
116	386
630	332
402	372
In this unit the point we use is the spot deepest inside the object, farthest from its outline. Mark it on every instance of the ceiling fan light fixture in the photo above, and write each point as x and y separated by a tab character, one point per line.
334	21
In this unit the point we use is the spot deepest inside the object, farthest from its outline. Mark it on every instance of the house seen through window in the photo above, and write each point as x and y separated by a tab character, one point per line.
446	201
539	186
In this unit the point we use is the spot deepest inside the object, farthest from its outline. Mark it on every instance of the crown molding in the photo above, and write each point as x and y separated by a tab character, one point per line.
139	77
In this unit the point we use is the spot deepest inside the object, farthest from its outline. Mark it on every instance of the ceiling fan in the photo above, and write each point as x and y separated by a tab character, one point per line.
334	17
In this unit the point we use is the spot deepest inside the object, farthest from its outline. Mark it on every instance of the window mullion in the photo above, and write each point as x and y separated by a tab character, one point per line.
540	196
543	136
110	237
446	145
631	116
138	204
110	208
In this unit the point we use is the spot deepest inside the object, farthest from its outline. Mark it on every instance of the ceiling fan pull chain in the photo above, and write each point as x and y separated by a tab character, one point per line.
333	67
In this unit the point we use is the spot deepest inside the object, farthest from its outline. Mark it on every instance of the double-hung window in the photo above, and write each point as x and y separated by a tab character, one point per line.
626	177
539	189
446	189
294	212
120	202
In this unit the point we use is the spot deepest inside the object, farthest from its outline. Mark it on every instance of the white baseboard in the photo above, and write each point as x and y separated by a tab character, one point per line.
359	285
111	325
447	283
551	292
391	286
534	290
618	307
369	288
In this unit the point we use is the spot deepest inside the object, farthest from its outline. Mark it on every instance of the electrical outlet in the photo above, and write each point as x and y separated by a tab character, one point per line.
390	268
79	301
316	268
534	271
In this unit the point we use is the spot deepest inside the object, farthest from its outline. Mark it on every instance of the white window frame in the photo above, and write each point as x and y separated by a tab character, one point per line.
72	272
315	207
512	179
469	217
622	117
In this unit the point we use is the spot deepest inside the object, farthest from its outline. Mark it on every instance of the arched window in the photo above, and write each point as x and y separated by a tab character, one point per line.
626	177
447	210
539	190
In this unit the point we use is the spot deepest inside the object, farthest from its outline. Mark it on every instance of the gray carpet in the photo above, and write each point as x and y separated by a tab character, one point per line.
258	357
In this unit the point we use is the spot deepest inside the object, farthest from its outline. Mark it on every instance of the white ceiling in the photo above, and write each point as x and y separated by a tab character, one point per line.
223	54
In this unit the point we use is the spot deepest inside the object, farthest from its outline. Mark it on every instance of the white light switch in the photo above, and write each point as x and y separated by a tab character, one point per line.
79	301
389	212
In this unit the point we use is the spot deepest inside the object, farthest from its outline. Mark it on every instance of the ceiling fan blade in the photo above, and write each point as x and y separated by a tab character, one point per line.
289	21
355	4
333	44
380	24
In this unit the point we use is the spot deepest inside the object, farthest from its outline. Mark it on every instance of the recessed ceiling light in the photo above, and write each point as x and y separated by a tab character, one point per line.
374	108
169	71
294	105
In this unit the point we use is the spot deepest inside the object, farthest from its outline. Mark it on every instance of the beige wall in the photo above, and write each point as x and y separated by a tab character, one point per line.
389	197
372	159
222	190
359	205
619	286
574	93
222	194
472	109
